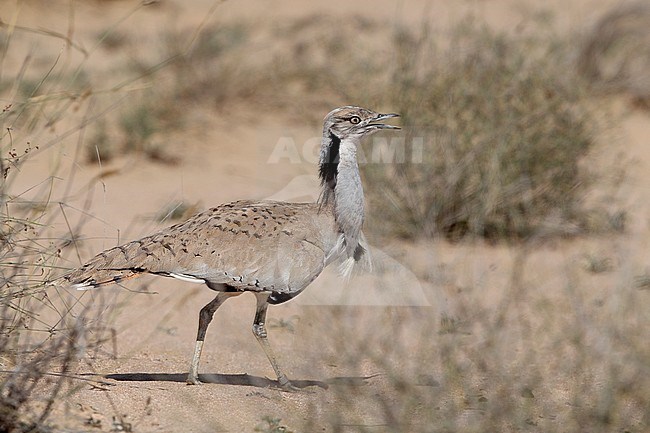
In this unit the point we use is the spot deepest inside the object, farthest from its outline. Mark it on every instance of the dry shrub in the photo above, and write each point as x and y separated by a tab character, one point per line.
43	331
41	334
503	125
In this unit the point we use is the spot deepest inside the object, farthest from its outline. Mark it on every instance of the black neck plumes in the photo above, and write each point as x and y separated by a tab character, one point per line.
329	162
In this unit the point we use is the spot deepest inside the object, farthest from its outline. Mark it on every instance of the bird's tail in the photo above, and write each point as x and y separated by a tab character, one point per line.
82	279
108	267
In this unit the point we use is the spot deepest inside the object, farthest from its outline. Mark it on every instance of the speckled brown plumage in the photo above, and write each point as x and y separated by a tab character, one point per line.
243	244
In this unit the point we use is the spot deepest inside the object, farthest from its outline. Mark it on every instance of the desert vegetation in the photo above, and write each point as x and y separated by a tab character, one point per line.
492	197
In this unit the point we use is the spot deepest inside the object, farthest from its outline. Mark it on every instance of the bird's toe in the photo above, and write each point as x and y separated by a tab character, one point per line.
289	387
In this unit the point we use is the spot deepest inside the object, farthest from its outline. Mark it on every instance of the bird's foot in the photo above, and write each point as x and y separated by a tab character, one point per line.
193	379
287	386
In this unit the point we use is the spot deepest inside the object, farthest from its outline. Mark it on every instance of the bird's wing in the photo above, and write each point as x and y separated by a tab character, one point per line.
248	245
272	246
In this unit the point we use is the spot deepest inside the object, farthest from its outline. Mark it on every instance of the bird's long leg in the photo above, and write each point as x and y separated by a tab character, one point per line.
205	317
259	330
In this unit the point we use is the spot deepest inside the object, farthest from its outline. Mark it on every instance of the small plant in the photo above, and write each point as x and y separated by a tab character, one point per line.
138	125
142	126
450	325
99	146
596	264
282	323
271	425
642	282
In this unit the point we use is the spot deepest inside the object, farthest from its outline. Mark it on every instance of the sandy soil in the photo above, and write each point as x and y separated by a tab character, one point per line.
138	381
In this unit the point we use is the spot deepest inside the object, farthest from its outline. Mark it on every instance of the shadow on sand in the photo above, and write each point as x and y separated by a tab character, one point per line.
234	379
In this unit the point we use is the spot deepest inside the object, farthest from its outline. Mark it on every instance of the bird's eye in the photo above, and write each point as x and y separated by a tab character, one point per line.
354	120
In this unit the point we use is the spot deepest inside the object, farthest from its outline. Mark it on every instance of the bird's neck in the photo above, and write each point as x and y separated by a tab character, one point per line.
342	189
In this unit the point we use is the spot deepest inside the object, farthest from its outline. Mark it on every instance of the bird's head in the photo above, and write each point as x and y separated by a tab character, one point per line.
346	126
355	122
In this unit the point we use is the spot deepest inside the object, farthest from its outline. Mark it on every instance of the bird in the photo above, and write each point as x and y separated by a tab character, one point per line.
273	249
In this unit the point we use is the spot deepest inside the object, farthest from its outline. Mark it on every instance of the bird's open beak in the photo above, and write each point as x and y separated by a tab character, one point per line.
381	117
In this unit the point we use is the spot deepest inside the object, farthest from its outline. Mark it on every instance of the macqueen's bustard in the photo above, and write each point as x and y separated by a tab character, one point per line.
273	249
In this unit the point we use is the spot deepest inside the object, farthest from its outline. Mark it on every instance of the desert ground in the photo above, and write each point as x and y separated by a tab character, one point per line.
471	335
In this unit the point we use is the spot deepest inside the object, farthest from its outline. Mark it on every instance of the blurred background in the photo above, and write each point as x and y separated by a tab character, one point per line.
509	219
